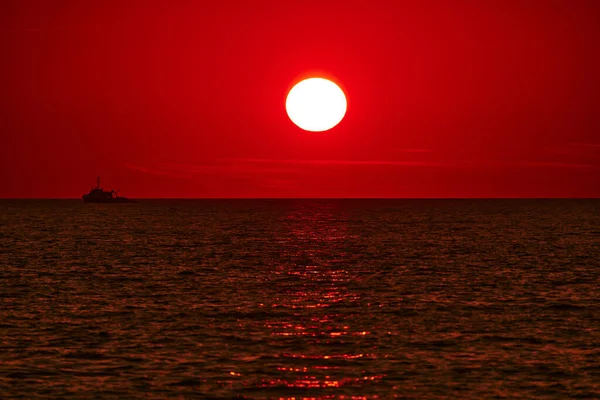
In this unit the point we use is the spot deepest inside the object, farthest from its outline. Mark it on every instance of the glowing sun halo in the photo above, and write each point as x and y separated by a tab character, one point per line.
316	104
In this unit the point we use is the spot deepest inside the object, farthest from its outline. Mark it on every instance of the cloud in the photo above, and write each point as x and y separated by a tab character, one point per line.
270	172
228	166
338	162
409	150
586	145
457	164
543	164
154	171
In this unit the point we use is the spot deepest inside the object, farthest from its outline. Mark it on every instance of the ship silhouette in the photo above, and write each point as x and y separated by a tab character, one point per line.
99	195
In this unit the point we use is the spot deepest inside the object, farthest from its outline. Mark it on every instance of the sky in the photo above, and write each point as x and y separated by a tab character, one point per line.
186	99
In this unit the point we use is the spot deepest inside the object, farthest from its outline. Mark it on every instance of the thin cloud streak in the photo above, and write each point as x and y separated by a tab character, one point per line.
339	162
190	171
229	167
553	165
459	164
586	145
156	171
409	150
278	169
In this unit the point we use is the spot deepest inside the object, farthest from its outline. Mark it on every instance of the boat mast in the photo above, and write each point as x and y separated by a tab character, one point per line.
98	182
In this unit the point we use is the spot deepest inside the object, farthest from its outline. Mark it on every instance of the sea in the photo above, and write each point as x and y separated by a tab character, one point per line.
300	299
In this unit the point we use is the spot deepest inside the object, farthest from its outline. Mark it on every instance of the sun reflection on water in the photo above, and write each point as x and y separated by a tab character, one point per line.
316	302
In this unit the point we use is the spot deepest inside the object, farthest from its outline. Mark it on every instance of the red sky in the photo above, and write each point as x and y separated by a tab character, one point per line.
186	98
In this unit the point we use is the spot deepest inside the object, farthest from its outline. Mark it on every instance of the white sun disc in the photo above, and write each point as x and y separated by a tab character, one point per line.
316	104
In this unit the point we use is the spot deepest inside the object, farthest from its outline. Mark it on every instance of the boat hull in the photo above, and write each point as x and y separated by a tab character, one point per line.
109	201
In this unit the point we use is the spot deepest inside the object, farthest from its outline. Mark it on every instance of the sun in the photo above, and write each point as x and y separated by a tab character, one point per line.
316	104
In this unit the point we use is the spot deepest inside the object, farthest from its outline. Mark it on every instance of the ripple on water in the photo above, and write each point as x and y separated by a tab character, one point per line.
304	299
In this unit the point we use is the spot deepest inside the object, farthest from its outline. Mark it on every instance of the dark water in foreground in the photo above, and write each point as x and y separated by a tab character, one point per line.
300	299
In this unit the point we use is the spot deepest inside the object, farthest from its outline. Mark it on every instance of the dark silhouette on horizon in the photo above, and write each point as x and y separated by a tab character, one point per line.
99	195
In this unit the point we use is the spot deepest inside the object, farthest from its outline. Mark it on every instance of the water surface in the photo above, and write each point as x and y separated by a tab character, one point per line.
300	299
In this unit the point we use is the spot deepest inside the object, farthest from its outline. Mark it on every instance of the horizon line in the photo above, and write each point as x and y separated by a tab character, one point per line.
326	198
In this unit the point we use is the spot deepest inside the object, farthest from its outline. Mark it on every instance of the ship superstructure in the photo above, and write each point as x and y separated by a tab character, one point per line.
99	195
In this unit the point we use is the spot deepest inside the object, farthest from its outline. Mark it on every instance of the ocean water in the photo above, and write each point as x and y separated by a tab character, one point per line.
319	299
